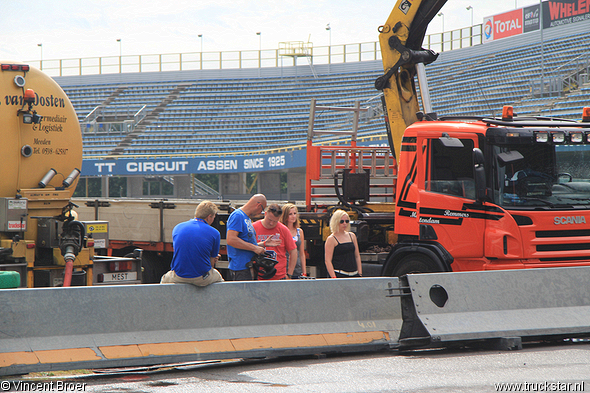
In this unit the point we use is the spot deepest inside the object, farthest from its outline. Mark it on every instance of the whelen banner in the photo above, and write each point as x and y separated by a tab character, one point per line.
523	20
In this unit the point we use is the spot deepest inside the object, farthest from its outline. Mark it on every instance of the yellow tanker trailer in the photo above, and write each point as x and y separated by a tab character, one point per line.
41	243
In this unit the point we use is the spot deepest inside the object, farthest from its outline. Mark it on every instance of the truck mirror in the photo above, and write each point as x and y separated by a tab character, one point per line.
509	157
447	141
480	175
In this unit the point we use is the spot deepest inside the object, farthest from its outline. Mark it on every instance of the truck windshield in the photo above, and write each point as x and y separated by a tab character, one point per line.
542	175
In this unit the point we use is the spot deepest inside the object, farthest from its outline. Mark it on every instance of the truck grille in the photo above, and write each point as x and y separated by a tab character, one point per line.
564	245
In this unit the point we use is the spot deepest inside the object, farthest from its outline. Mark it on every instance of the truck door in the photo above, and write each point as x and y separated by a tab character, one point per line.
446	201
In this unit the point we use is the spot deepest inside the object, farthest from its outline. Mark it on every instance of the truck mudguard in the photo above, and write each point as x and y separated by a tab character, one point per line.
434	251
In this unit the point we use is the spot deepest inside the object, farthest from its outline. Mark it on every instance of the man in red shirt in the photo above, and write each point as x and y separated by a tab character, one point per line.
270	229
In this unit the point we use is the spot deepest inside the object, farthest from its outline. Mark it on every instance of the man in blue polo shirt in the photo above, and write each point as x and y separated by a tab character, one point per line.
196	249
241	238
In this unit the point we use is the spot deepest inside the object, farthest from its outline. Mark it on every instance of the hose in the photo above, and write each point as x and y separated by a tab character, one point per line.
68	273
69	257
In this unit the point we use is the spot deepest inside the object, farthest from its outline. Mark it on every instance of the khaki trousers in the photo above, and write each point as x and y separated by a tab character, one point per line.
212	276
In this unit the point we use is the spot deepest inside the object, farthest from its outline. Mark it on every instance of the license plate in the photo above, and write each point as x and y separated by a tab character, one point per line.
126	276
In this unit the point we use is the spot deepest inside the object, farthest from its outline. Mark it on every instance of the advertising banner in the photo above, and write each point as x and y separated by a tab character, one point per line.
199	165
527	19
563	12
488	29
503	25
202	165
532	18
508	24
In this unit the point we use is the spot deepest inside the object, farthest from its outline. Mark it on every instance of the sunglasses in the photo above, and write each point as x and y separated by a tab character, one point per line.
275	211
344	221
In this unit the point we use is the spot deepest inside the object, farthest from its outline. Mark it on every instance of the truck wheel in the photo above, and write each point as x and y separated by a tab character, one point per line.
416	263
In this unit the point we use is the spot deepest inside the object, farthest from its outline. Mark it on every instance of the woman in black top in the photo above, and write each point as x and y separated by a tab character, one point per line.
341	249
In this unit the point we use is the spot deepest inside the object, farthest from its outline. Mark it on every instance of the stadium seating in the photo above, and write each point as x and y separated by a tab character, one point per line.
483	81
212	116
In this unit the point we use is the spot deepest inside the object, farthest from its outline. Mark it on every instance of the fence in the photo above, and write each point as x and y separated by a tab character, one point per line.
364	51
563	79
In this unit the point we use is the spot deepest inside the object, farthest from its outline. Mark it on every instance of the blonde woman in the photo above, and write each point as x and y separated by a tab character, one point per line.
342	256
290	218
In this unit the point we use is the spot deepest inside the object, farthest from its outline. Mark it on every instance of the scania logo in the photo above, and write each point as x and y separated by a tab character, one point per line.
569	220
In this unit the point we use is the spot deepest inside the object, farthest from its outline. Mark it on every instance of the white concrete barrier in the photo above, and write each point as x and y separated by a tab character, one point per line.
95	327
501	304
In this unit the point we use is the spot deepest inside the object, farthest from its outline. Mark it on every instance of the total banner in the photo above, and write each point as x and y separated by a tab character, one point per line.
523	20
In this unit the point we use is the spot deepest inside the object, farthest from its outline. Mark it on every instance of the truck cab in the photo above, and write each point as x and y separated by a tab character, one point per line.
483	194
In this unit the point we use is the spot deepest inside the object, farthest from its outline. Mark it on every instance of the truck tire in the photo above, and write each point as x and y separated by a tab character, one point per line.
9	279
415	263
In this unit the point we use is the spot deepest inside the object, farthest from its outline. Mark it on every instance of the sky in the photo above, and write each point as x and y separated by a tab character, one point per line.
69	29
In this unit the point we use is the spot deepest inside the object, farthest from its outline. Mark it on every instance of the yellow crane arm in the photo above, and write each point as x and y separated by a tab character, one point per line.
401	39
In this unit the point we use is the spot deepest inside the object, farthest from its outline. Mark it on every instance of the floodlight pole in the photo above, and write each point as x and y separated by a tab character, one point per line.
329	28
259	34
542	48
201	55
120	56
41	61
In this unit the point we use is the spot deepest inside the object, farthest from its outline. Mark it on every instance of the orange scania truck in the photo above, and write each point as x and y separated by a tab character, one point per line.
41	242
471	193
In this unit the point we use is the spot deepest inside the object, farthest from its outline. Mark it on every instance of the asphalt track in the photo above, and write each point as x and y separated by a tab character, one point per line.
562	366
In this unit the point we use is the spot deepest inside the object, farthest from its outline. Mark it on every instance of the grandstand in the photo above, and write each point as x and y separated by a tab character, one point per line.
215	114
481	79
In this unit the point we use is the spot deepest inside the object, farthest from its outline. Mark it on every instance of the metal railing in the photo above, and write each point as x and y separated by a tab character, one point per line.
563	79
325	163
108	128
140	115
93	115
91	125
198	188
345	53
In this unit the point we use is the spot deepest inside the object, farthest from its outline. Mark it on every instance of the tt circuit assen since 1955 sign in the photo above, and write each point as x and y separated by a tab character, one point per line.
197	165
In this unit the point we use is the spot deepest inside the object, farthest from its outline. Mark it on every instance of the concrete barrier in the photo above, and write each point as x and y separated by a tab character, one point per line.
500	304
137	325
95	327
